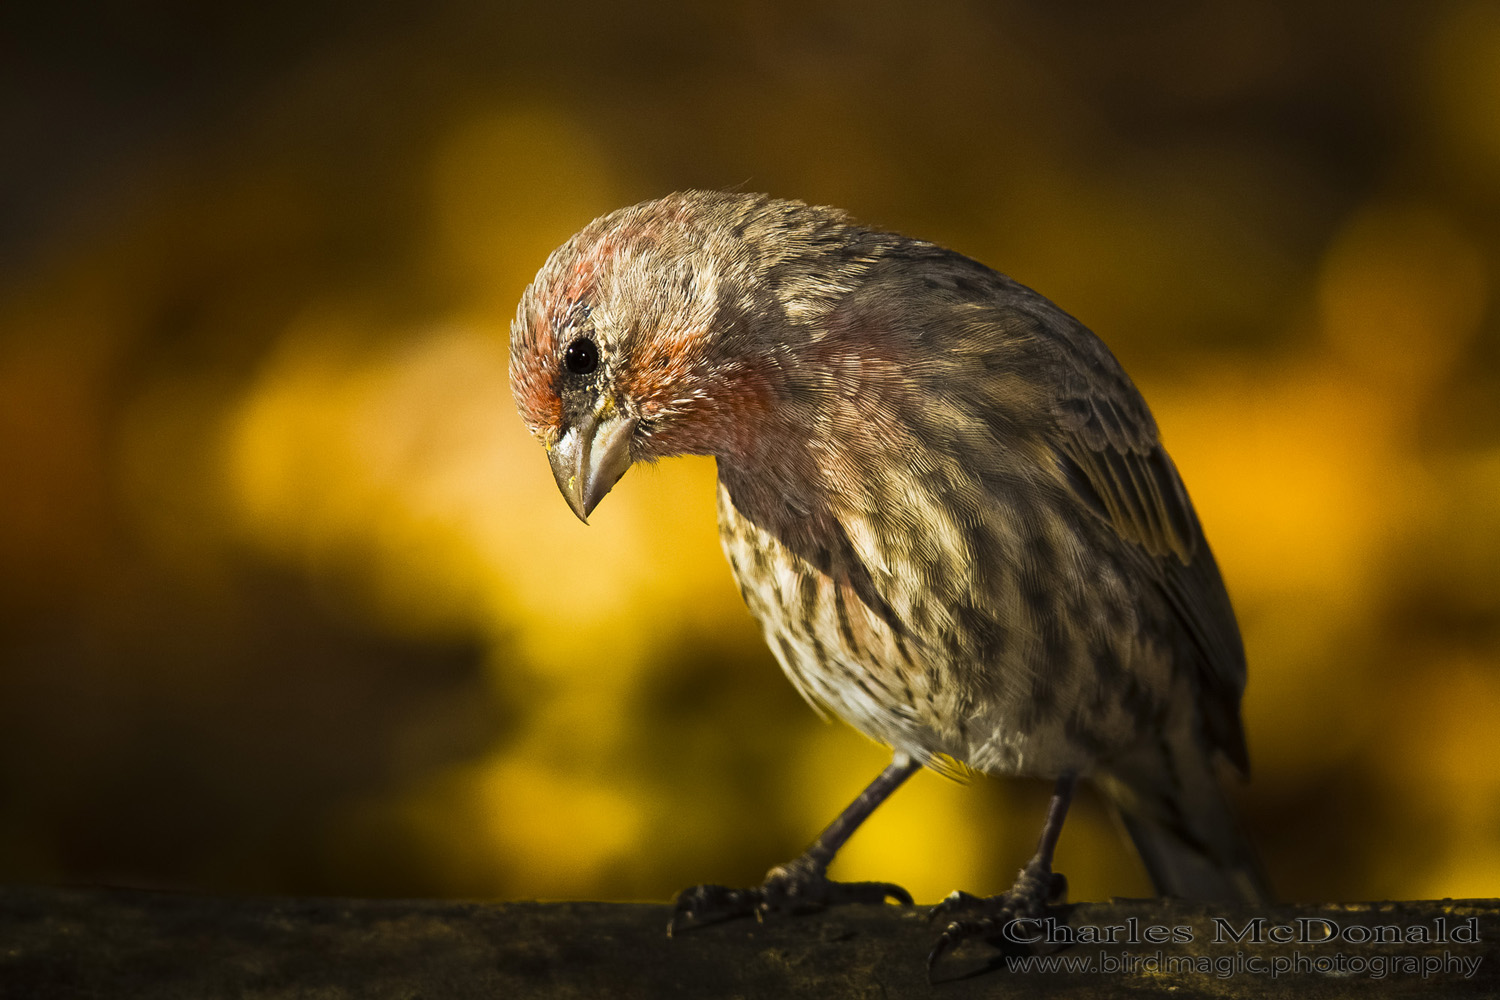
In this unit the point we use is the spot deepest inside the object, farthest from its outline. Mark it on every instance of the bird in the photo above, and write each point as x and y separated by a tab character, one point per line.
943	499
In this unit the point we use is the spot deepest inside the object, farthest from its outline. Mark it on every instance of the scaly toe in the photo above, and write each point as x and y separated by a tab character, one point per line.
710	904
840	893
793	888
796	891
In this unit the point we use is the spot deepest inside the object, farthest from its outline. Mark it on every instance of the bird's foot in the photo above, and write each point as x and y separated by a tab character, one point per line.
995	918
796	887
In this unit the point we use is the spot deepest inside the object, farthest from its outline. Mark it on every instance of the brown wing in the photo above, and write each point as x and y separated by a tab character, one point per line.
1116	465
1125	474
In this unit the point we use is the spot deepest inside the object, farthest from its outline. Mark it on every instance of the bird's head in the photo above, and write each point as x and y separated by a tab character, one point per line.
643	335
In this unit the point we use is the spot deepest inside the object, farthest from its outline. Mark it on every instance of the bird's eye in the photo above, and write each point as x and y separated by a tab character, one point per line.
582	357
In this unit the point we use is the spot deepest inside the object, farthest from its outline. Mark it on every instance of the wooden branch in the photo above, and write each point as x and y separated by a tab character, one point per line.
69	943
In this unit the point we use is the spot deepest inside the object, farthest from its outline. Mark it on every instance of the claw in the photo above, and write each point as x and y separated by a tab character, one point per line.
794	888
867	892
955	933
1036	888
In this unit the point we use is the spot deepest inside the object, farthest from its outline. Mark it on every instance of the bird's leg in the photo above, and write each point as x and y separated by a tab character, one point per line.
1036	886
802	885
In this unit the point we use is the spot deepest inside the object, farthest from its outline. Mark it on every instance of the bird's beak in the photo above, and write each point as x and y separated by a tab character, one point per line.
591	456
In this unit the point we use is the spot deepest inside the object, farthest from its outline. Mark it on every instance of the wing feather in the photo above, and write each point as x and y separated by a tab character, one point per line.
1114	463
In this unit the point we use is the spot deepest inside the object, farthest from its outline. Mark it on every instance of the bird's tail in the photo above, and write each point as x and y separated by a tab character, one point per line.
1173	805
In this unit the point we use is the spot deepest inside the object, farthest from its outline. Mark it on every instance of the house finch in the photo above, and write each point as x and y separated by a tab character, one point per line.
941	496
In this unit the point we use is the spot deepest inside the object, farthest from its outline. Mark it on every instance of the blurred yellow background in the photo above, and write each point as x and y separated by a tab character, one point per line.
289	602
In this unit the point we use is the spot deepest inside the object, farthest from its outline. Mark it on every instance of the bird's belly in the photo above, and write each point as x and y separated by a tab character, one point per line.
1037	709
